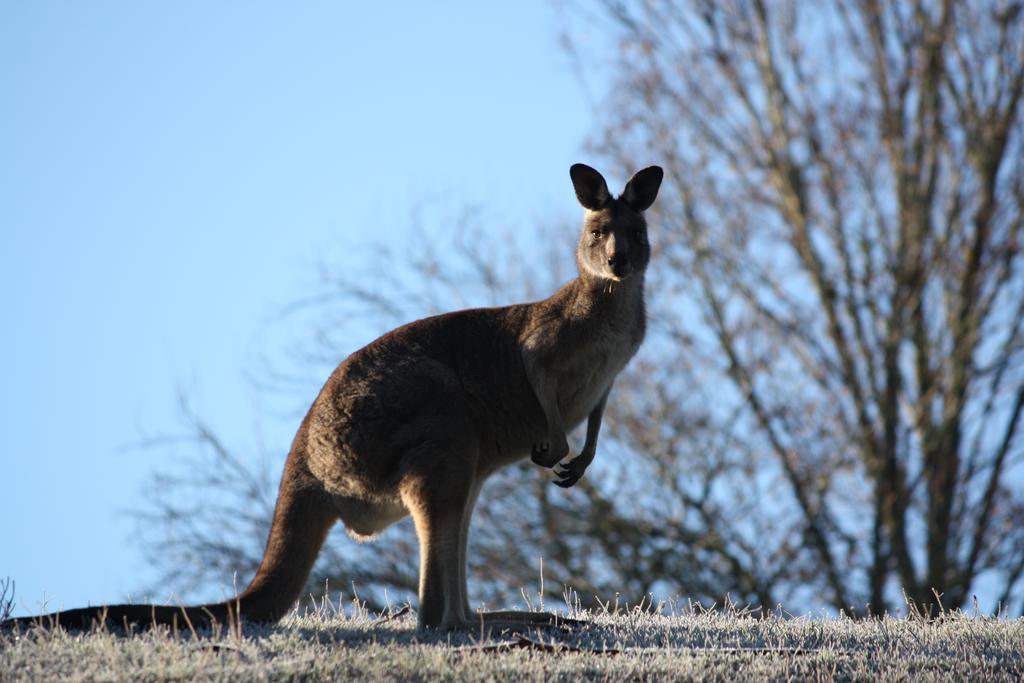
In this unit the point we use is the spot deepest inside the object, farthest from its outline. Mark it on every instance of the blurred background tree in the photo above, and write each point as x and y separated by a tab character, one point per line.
826	412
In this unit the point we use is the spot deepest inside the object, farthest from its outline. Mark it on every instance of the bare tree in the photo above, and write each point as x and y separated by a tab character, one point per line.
844	263
827	409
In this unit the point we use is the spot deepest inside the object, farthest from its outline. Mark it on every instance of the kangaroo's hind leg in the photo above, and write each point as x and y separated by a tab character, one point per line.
463	544
512	619
495	619
436	492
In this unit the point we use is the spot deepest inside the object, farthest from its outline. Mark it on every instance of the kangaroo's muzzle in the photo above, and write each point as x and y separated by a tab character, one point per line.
619	265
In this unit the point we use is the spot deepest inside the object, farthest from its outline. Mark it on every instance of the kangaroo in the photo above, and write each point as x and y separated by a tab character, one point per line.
415	422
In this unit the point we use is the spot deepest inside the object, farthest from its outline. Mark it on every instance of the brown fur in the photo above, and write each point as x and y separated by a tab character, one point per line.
414	422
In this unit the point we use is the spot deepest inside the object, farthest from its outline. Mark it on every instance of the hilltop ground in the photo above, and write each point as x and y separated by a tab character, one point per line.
328	644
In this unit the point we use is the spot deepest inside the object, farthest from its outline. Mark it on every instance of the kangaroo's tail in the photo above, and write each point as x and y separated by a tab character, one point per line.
302	518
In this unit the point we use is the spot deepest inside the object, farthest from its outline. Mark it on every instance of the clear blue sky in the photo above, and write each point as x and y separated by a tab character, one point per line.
168	174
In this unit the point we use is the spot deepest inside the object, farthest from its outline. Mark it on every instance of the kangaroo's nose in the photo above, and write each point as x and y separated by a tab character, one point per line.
619	264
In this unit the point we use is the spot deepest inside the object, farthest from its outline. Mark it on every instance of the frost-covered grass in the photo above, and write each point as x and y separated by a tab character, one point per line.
692	644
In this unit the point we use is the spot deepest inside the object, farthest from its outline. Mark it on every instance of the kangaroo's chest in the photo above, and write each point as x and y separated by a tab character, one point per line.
587	373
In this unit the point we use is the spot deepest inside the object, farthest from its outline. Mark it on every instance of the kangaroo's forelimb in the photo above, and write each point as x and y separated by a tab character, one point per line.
571	472
555	446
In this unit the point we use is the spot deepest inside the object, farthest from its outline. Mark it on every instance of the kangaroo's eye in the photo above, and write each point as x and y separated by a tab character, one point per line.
596	234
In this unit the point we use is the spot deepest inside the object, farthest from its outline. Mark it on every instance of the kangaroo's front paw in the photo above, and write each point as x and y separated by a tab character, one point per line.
572	471
549	453
541	455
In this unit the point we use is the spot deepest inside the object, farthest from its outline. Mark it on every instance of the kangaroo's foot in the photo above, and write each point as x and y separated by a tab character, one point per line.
512	619
505	622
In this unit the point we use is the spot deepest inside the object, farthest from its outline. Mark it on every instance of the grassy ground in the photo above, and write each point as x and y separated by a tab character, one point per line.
691	645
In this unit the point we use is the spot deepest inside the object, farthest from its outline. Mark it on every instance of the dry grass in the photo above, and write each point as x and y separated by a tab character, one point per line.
327	644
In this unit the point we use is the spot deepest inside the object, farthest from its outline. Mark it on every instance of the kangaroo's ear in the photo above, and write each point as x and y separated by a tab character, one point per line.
590	187
642	188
